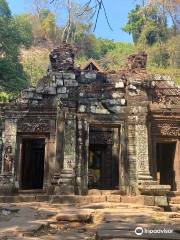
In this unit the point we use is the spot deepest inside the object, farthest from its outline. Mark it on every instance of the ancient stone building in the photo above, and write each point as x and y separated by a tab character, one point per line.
86	129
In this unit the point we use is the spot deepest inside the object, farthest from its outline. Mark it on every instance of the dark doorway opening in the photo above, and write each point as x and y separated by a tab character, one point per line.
165	154
32	164
103	164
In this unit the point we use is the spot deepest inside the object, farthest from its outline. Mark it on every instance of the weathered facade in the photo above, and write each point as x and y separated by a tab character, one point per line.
83	129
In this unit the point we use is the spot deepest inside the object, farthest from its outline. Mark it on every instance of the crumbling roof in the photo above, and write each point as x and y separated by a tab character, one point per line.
92	65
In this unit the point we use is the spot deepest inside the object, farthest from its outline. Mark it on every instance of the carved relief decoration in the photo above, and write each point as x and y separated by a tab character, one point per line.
165	97
142	148
34	125
167	129
8	159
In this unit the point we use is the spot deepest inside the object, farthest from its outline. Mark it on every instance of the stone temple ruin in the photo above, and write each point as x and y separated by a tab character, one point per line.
83	129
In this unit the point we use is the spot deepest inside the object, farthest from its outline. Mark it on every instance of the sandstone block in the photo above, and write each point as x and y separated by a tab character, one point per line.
61	90
149	200
63	95
90	75
51	90
161	201
97	199
69	76
119	85
113	198
70	83
59	82
82	108
74	217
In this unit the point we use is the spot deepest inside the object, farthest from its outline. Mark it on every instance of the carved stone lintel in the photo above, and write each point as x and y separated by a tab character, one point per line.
166	129
169	129
34	125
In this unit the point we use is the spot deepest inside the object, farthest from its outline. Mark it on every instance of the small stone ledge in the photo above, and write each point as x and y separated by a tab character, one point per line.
161	201
154	190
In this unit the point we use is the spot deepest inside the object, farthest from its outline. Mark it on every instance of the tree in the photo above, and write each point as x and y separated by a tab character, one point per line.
5	11
146	25
135	23
12	37
170	8
23	26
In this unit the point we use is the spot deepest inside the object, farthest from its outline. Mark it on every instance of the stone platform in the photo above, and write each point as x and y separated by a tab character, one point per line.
71	199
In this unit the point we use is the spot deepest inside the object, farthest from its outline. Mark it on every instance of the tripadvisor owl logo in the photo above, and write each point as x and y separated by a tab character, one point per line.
139	231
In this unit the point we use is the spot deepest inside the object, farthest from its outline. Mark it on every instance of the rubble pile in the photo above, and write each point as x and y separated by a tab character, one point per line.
62	58
137	61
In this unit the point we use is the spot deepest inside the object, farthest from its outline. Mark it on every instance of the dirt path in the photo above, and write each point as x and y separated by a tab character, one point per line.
75	222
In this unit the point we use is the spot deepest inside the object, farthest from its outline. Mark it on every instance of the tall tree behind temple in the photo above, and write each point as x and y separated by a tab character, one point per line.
13	35
146	25
170	8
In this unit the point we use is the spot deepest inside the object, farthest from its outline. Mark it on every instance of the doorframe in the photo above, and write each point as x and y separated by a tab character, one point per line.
119	126
20	139
154	154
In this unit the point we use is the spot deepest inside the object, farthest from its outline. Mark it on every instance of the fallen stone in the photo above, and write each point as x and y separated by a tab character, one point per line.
74	217
119	85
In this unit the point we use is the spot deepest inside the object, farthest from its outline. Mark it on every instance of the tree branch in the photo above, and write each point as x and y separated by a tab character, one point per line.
99	5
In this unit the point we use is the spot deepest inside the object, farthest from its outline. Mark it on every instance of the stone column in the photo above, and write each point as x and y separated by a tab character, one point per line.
123	166
66	181
1	146
50	154
7	177
81	168
131	153
142	150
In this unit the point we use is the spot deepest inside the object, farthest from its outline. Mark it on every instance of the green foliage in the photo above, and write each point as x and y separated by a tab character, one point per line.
24	28
147	25
5	11
5	97
14	33
35	63
116	57
48	23
173	48
135	23
12	77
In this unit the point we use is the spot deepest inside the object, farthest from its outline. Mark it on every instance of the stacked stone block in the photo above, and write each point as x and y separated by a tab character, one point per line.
62	58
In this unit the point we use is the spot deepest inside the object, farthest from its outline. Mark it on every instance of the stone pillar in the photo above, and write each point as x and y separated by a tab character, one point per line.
50	154
81	168
70	142
66	181
7	177
142	154
1	147
131	153
123	166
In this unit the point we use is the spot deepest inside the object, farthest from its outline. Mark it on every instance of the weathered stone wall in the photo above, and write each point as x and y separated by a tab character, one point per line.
1	146
72	100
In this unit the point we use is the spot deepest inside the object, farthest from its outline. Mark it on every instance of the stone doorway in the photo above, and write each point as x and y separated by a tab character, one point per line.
165	158
32	163
103	163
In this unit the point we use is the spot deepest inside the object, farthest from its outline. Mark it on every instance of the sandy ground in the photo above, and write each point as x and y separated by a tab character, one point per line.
75	222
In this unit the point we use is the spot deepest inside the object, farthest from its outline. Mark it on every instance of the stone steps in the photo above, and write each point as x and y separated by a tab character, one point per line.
175	200
76	199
